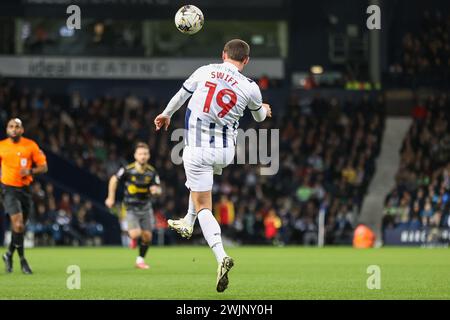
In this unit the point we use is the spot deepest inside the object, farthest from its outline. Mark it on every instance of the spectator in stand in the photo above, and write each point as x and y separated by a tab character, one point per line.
65	204
272	224
161	227
264	82
419	112
224	213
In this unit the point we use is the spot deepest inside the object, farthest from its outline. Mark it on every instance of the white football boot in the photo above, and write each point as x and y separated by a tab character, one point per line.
222	273
182	227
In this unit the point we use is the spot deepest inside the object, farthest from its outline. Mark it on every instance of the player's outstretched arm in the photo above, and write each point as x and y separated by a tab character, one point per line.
268	110
163	119
112	187
262	112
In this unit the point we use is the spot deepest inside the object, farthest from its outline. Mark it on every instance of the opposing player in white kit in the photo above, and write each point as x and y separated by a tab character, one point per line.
219	95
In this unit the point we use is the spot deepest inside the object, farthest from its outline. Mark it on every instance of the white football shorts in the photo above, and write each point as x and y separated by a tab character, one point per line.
201	163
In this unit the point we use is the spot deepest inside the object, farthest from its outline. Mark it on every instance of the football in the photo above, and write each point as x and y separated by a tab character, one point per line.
189	19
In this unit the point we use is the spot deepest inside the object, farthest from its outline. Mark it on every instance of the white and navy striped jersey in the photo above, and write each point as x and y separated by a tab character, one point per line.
220	94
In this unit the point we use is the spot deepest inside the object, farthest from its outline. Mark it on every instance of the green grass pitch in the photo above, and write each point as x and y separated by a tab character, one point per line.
259	273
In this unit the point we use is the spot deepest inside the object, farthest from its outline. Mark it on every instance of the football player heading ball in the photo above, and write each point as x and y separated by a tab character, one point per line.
219	95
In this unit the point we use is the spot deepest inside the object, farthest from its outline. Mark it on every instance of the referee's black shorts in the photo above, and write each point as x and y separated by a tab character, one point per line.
17	200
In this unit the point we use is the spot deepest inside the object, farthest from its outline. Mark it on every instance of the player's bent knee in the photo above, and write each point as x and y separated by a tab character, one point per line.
134	234
18	225
147	236
19	228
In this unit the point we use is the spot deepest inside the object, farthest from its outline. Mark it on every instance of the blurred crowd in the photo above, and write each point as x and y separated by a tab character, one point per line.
62	218
422	193
425	58
96	38
328	149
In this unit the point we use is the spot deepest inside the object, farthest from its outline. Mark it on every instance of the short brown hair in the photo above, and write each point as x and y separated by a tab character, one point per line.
141	145
237	50
17	121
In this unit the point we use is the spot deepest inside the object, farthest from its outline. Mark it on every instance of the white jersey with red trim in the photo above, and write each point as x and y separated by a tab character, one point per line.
220	94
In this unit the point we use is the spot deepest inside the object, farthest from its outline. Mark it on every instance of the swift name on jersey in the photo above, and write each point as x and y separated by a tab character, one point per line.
225	77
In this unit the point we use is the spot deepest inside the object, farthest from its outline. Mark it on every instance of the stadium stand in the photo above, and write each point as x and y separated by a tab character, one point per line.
328	149
424	56
63	218
421	196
